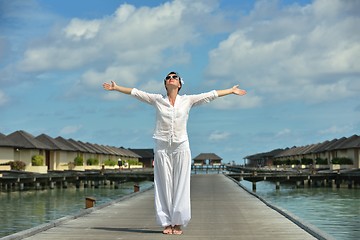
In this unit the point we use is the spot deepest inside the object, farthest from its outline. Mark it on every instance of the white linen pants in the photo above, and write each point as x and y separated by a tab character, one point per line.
172	171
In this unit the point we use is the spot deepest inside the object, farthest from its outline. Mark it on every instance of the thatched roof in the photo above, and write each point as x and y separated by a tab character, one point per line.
144	153
351	142
97	148
23	139
79	146
87	147
328	145
5	142
53	143
207	156
129	153
265	155
67	143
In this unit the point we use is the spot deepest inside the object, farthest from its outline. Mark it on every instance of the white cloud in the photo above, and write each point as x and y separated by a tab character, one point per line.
283	132
70	129
155	86
300	52
3	98
130	43
59	57
237	102
122	76
132	37
79	29
336	130
296	52
218	136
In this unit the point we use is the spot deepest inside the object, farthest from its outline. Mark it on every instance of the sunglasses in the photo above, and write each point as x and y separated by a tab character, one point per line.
172	76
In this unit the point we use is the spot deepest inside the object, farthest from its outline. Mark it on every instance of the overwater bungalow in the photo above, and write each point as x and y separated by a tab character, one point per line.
343	151
212	158
67	154
349	148
264	159
25	147
7	149
59	153
147	156
130	155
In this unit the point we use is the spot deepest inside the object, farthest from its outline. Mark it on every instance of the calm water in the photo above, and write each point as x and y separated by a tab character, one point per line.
26	209
334	211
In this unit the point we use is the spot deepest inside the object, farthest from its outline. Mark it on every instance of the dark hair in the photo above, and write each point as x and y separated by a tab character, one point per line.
177	74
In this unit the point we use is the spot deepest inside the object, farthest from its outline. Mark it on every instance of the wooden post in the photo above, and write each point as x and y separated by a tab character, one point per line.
337	182
136	187
277	185
330	183
90	202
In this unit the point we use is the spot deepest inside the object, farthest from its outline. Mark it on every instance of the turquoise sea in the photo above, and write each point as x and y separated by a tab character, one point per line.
21	210
332	210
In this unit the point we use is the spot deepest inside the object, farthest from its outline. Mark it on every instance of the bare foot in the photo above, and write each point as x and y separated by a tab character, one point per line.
177	230
168	230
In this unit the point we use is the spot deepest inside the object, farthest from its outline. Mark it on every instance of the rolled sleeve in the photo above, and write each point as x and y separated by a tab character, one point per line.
204	97
149	98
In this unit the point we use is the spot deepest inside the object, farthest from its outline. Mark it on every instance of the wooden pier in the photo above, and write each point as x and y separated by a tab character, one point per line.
207	168
220	210
19	181
349	179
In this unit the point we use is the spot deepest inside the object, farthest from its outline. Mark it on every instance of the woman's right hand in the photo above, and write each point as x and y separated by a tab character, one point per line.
109	86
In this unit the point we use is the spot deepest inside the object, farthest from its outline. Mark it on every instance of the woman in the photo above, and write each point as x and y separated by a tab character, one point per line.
172	160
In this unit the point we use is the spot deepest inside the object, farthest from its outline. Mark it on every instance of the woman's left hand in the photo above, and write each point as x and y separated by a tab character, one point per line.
236	90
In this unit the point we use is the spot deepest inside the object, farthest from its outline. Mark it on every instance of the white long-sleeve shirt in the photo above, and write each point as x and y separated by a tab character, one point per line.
171	121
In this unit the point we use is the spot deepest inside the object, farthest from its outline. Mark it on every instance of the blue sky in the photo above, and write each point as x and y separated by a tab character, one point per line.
298	60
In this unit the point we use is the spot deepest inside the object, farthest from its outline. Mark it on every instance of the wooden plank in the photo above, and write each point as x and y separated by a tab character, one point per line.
220	210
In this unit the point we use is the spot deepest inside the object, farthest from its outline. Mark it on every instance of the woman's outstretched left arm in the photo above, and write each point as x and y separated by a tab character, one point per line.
234	90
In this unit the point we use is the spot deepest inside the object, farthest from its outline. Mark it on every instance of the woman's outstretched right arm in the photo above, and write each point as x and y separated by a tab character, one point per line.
114	87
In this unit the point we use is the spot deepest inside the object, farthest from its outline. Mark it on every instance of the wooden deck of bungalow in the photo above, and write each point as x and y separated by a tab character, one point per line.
220	210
